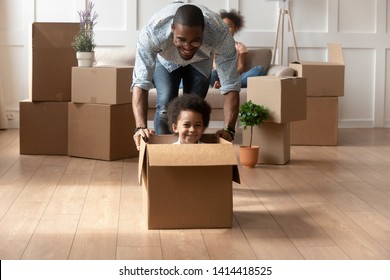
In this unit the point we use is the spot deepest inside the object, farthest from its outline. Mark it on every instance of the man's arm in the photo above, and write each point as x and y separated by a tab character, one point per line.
140	111
231	106
140	106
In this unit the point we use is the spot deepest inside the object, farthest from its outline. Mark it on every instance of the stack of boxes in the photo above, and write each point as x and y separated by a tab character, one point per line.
325	83
285	97
44	116
101	120
83	112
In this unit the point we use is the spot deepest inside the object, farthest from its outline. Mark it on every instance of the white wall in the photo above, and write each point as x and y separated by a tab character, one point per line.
365	40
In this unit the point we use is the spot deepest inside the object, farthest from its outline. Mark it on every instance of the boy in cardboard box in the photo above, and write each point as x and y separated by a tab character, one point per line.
188	117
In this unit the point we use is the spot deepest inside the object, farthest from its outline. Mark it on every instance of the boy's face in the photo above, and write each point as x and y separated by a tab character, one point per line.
187	39
189	126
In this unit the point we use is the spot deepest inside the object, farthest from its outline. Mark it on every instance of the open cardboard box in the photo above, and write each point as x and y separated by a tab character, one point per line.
324	78
188	186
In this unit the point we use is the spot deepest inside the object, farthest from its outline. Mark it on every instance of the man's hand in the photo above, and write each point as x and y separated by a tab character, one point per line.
145	133
229	136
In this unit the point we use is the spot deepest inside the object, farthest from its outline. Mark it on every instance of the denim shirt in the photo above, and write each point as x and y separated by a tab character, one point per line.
156	42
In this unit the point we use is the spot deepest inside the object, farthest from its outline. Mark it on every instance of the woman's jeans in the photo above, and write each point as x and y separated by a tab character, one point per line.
255	71
167	86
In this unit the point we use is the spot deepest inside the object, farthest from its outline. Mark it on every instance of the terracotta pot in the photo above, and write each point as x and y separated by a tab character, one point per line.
249	156
85	59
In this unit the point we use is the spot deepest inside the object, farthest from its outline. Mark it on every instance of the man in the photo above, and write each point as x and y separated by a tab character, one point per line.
179	43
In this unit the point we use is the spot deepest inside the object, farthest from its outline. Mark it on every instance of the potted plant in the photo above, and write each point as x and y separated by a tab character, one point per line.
83	43
251	115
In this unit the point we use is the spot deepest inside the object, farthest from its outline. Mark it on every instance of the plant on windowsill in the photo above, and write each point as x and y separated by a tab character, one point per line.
83	43
251	115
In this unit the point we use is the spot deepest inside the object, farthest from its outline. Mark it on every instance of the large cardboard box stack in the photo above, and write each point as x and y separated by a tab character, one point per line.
43	118
285	97
325	83
101	120
188	186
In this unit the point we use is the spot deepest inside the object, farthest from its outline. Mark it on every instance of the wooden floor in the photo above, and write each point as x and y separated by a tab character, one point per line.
326	203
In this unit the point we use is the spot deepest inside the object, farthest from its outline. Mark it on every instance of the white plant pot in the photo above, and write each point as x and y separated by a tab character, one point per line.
85	59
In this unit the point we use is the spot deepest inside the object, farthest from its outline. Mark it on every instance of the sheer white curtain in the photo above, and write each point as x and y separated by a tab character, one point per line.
3	115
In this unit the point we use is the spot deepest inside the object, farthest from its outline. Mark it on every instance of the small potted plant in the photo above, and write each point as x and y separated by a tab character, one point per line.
83	43
251	115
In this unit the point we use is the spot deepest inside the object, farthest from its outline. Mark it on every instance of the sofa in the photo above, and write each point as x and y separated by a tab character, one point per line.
255	56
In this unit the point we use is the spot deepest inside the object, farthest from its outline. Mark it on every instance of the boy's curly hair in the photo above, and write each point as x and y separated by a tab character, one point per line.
188	102
234	16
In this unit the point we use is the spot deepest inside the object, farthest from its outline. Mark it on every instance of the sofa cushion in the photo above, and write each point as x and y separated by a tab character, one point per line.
255	57
281	71
114	57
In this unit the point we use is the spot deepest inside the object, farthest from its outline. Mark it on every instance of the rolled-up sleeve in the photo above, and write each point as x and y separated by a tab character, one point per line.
145	61
226	63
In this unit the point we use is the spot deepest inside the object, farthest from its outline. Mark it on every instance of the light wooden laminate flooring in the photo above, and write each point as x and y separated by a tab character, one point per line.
328	202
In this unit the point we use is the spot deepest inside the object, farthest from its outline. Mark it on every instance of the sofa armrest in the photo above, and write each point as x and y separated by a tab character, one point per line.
281	71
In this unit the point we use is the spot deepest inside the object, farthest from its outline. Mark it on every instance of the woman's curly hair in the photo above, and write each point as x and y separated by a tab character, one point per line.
234	16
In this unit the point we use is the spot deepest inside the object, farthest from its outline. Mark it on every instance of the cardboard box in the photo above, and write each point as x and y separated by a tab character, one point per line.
273	140
285	97
43	128
101	131
188	186
103	85
321	126
52	60
324	78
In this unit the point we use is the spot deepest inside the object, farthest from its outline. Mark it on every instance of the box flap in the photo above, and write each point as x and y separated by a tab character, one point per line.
236	175
335	57
159	151
335	53
191	155
141	160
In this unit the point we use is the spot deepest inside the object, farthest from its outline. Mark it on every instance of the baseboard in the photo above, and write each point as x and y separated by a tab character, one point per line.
13	118
355	123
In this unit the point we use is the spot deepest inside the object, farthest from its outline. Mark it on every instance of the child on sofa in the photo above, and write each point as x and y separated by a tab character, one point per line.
188	116
235	22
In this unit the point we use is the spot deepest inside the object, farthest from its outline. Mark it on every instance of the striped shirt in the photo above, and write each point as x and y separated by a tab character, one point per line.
156	42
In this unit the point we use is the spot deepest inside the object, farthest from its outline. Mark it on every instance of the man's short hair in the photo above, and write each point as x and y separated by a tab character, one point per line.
189	15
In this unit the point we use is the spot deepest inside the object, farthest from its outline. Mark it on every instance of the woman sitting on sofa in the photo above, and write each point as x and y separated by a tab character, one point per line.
235	22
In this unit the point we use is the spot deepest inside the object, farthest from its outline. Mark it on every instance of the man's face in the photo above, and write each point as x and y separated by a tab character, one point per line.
187	39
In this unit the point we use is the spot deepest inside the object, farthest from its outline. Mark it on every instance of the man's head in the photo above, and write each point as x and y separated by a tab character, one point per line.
187	28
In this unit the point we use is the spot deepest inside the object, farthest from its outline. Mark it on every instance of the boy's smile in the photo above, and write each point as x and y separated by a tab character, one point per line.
189	126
